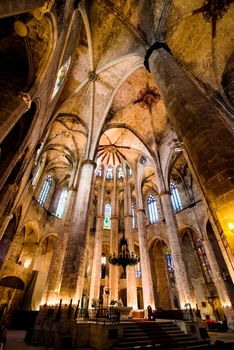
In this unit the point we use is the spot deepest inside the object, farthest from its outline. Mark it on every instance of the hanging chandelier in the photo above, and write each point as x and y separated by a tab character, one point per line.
124	257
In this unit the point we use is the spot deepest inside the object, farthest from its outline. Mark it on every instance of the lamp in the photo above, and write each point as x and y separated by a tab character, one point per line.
124	257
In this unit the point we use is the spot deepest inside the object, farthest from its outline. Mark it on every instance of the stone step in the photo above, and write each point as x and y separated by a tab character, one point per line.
196	345
137	329
153	334
156	340
156	330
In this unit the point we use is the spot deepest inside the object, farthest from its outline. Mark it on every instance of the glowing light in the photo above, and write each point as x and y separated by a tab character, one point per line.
231	226
27	263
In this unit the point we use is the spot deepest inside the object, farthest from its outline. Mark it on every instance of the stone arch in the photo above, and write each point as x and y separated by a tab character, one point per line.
160	276
12	282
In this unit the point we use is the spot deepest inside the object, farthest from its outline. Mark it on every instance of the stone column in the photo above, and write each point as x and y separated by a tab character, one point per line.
113	269
51	291
182	283
147	284
114	241
220	284
74	265
97	254
130	270
207	137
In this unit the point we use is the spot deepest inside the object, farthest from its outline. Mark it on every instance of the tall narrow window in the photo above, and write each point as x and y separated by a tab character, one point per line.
138	270
170	268
103	266
175	197
61	76
120	172
152	209
203	260
45	190
99	172
61	204
109	173
133	216
128	171
107	217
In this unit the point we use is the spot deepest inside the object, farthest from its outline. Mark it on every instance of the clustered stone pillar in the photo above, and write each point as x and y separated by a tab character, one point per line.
114	270
182	283
51	291
96	267
130	270
74	265
147	284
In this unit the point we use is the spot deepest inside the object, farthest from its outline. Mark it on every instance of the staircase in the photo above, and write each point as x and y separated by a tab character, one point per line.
157	335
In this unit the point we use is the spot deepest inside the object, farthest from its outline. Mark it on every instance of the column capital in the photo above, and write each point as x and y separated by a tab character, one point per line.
128	216
100	216
72	189
114	217
89	161
157	45
140	210
164	192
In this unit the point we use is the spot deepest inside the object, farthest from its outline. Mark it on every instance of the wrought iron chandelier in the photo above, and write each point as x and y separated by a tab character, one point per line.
124	257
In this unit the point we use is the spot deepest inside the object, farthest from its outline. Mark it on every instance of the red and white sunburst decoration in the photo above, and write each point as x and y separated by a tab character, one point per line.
148	97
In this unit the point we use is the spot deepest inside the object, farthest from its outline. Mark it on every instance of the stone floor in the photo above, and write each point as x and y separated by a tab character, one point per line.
15	340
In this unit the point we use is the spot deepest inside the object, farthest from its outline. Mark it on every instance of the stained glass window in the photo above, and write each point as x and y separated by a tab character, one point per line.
103	266
120	172
61	76
107	216
203	260
99	172
109	173
170	268
152	209
138	270
133	216
61	204
128	171
45	190
175	197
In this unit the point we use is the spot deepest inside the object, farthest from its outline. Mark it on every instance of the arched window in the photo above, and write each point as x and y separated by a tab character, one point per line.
203	260
170	268
109	173
133	216
120	173
99	172
138	270
45	190
152	209
103	266
107	216
61	76
128	171
175	197
61	204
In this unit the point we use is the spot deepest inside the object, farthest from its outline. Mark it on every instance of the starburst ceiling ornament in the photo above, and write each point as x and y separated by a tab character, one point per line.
213	10
111	152
148	97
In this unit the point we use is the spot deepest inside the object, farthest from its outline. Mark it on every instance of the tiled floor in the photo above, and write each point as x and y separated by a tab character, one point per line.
15	340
